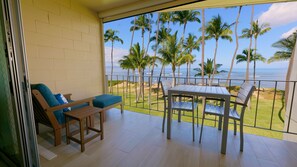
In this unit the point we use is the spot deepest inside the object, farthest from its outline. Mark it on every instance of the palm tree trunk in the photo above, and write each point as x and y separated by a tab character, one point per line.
134	81
155	54
168	25
202	48
250	46
214	63
159	80
142	36
236	47
181	48
178	74
173	76
184	30
142	85
133	33
128	78
150	88
255	61
148	43
139	84
132	38
187	75
111	71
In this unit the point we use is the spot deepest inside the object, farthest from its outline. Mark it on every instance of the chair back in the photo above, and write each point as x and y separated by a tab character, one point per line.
245	92
43	99
166	84
39	106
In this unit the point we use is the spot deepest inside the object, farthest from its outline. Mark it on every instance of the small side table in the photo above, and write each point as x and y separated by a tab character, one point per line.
82	115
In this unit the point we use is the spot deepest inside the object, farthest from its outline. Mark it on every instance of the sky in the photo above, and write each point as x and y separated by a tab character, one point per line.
280	17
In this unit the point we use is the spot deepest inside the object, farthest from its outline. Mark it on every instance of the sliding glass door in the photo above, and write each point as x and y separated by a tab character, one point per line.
9	137
18	146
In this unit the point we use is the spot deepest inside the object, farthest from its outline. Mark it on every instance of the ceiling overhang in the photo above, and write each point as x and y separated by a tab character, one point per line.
110	10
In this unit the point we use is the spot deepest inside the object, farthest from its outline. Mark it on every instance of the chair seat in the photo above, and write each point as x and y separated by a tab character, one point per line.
187	106
219	110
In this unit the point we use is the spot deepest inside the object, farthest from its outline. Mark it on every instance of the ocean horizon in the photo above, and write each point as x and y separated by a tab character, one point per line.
267	75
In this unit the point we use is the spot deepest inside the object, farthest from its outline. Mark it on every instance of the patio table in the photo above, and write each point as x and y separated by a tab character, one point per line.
206	91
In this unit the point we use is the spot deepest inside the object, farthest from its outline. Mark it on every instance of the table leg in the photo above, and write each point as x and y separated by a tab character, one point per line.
87	124
67	130
225	127
220	117
101	124
169	116
82	140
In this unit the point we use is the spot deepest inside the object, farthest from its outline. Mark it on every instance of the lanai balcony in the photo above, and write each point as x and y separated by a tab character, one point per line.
65	50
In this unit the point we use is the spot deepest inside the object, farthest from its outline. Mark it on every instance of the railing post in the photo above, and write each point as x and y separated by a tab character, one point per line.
271	119
291	106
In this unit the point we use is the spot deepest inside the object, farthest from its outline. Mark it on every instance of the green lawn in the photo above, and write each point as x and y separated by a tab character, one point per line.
265	105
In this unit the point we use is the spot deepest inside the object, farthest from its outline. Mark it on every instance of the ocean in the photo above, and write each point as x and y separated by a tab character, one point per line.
268	76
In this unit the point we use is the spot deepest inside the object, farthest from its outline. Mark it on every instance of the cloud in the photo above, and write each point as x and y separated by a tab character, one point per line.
279	14
118	53
288	33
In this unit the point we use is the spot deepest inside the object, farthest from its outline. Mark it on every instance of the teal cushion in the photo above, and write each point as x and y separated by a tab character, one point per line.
50	99
106	100
78	106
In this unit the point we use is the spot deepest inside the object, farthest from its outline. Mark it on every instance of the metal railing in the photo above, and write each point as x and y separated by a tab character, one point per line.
266	111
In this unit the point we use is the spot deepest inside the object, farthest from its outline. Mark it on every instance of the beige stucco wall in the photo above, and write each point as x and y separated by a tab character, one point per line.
63	46
293	123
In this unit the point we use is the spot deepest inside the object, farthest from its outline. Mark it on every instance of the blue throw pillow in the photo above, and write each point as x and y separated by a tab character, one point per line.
62	100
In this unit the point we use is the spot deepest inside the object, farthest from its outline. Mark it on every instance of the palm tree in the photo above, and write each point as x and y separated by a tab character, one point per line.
111	36
154	59
208	68
190	44
127	64
163	33
216	29
171	52
188	59
150	22
249	35
286	46
203	45
253	57
141	23
140	61
237	45
180	61
185	16
166	17
256	31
